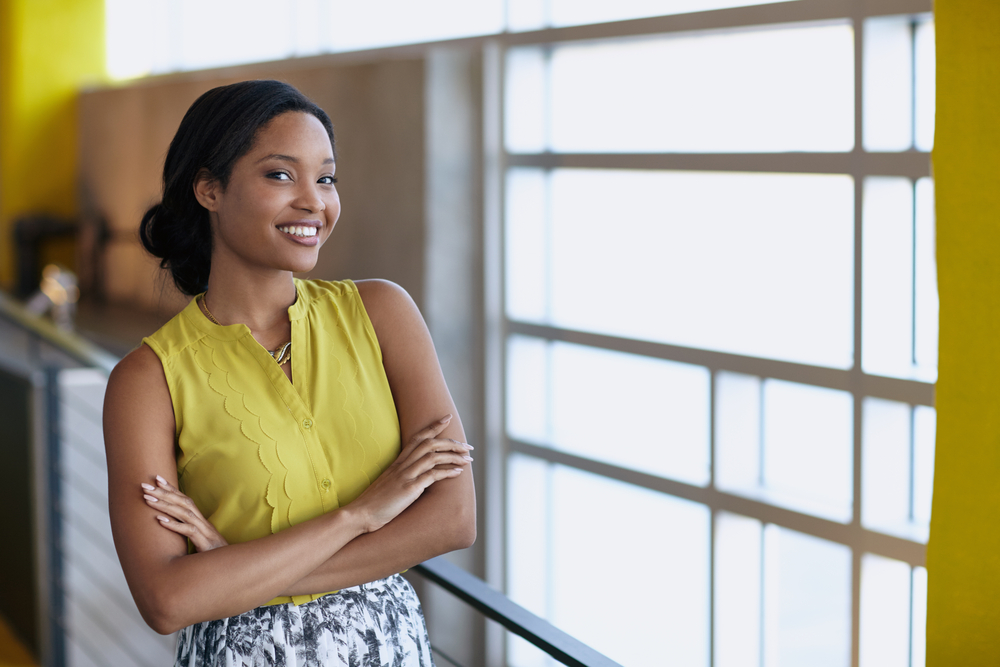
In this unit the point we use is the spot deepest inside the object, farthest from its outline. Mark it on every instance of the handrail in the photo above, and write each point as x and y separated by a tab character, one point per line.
72	344
495	605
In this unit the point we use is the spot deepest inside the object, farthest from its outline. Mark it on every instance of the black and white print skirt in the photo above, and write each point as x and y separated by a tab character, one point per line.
378	624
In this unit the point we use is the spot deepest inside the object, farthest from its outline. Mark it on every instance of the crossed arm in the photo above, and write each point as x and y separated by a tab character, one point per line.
420	507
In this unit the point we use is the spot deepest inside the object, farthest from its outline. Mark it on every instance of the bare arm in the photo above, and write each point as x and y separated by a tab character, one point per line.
444	517
173	589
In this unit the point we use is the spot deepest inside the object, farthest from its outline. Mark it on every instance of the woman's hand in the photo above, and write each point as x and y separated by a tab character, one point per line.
186	518
424	460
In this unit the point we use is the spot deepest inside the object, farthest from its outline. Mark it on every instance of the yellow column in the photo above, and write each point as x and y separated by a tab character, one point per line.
48	50
963	558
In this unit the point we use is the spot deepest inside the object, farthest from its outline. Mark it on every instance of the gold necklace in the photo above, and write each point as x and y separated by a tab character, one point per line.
281	354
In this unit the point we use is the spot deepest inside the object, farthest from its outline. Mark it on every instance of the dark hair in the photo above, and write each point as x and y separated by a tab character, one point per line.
219	128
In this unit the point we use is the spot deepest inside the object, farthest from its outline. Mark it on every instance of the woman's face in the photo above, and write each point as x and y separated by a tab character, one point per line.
280	204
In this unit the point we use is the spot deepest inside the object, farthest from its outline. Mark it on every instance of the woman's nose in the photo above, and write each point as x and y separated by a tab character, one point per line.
309	199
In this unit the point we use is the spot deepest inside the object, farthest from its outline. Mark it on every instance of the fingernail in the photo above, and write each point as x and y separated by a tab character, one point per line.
445	419
467	445
160	480
148	487
467	458
150	498
163	519
457	469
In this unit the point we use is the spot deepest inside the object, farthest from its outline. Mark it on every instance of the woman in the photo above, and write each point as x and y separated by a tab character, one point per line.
293	479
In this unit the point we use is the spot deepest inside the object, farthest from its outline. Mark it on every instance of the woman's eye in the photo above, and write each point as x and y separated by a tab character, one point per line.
279	176
327	180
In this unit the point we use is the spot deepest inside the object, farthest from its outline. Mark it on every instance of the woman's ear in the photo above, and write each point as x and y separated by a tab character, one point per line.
207	189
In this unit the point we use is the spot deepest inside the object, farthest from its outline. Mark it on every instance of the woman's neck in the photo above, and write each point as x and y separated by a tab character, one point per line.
258	300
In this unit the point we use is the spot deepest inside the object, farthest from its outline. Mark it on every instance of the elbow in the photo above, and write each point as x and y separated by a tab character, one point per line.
162	613
463	534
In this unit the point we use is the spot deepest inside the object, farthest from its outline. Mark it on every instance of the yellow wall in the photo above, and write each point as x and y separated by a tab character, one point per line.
963	557
48	50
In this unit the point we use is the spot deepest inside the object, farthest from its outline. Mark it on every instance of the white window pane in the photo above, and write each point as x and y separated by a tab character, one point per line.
887	277
526	14
926	322
374	23
227	32
127	49
525	96
755	264
662	554
924	52
885	466
737	431
924	435
885	612
789	89
527	388
521	653
737	591
526	244
575	12
919	632
632	411
888	84
527	548
808	453
807	600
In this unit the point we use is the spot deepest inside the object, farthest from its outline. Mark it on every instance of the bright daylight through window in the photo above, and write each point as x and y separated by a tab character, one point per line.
712	272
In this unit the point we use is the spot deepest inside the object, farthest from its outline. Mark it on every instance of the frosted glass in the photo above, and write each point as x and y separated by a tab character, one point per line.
885	612
632	411
226	32
925	75
807	600
754	264
525	95
738	542
887	277
656	546
526	14
737	431
897	468
527	388
789	89
888	84
527	548
526	244
919	632
924	436
375	23
926	315
574	12
885	465
808	453
127	46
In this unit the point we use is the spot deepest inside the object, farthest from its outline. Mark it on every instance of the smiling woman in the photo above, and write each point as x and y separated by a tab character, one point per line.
240	499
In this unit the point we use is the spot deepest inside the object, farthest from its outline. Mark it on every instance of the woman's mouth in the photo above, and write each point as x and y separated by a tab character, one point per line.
304	234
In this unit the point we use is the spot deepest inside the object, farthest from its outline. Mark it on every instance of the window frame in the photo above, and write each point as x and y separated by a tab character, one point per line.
858	163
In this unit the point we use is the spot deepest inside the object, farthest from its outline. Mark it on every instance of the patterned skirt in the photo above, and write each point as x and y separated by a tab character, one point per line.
379	624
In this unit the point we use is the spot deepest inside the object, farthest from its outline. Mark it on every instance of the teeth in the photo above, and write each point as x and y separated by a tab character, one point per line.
296	230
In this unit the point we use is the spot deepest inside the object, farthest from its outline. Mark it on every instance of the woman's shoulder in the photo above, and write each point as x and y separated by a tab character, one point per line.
138	378
380	299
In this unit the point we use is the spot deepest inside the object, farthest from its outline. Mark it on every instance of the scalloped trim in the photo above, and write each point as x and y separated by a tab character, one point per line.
277	495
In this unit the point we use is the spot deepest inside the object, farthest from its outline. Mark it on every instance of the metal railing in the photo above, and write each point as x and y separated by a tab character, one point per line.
52	645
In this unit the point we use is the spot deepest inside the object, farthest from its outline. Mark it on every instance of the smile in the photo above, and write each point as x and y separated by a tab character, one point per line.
300	231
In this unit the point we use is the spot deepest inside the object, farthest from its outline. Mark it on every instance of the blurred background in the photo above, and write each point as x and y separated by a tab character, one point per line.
678	258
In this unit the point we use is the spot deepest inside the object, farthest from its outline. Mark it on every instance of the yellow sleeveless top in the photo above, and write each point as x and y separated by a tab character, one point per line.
258	454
